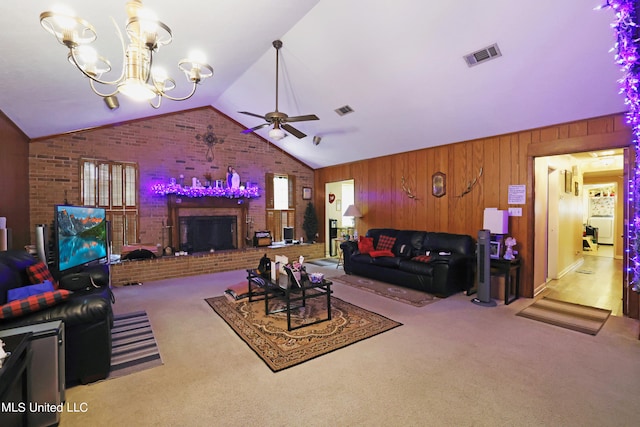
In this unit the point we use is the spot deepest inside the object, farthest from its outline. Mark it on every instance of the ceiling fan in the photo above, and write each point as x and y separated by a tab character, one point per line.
276	118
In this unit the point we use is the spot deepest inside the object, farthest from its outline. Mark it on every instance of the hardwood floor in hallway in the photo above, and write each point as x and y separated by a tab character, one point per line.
597	282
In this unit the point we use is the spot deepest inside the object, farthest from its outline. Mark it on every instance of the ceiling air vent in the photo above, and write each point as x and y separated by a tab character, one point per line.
483	55
344	110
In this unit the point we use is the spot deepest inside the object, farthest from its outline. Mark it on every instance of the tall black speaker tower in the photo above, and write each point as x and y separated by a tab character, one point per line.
484	270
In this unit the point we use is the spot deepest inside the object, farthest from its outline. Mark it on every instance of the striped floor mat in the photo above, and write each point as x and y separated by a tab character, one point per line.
133	343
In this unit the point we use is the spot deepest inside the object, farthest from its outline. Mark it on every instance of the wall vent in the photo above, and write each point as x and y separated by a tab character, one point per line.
344	110
483	55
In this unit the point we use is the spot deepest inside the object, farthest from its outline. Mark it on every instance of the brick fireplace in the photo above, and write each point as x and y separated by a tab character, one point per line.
205	223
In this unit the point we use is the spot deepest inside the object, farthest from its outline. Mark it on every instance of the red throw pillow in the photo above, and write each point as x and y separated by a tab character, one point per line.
376	254
385	243
422	258
39	273
365	245
33	303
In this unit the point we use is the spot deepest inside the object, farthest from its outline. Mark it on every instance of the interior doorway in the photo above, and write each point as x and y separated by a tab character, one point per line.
340	195
582	195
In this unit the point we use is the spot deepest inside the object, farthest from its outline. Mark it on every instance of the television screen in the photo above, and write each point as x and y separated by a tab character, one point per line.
81	235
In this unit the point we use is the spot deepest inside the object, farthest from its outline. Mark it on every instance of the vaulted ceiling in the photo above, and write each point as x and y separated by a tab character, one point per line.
399	65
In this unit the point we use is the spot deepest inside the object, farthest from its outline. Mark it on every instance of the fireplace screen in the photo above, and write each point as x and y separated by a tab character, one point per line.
204	233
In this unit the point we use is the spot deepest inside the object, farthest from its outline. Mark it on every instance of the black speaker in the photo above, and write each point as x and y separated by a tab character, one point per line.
484	269
287	233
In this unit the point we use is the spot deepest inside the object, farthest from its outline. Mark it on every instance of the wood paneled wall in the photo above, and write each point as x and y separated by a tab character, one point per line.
14	176
504	160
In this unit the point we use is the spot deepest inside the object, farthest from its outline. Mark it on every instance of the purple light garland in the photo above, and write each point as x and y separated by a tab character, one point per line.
627	48
230	193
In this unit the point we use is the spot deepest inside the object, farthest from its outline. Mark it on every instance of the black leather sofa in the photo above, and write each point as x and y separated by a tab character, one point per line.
447	270
87	317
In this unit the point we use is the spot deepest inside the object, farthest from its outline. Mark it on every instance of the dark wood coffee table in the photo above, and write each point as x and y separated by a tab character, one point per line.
292	293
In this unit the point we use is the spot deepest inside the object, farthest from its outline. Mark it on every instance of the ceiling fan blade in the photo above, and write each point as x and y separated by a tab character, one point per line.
251	114
302	118
293	131
255	128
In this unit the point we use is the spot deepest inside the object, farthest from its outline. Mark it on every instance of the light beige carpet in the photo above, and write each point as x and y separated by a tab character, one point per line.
267	335
387	290
577	317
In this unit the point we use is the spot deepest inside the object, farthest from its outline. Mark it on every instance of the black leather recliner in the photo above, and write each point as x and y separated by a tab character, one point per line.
87	317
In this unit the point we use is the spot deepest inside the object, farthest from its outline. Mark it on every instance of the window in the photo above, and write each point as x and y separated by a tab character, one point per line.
280	192
280	203
113	186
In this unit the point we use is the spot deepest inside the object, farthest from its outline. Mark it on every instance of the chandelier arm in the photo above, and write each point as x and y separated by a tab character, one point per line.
156	106
184	98
92	78
123	46
149	75
92	83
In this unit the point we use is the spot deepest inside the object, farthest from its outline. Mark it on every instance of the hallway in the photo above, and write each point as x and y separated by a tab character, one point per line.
597	282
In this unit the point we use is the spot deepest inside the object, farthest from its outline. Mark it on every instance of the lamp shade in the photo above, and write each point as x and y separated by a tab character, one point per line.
496	221
352	211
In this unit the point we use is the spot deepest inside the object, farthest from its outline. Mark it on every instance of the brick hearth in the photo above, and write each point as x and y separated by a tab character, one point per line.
191	265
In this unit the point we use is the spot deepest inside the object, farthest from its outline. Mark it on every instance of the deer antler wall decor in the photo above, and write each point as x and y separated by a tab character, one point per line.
406	189
471	184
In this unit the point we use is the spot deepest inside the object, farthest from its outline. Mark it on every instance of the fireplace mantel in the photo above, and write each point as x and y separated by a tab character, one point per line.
177	203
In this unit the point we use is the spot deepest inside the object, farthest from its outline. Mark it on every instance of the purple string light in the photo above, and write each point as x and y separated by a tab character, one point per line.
230	193
626	55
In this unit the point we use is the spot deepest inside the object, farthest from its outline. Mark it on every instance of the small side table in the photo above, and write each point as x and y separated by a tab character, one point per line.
339	252
508	269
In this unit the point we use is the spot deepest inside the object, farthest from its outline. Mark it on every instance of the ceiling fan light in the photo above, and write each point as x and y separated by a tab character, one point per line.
276	134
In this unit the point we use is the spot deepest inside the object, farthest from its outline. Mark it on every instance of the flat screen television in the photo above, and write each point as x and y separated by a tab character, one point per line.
81	235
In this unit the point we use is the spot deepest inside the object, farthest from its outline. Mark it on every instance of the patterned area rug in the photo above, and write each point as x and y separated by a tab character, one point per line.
577	317
387	290
133	343
281	349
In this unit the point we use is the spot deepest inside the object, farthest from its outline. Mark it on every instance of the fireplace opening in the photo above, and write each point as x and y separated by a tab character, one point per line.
204	233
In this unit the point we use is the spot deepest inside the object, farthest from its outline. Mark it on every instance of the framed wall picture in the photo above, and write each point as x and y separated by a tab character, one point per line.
306	193
494	250
568	181
438	184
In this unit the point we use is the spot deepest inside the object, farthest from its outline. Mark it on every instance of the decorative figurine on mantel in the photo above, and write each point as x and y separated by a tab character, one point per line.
509	242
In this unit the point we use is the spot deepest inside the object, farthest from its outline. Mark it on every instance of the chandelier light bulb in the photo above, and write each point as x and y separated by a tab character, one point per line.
86	55
197	57
64	17
137	90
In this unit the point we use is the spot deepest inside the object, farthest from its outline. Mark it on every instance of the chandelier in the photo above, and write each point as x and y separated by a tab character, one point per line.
139	80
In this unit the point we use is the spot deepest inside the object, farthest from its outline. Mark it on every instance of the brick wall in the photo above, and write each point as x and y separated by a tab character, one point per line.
190	265
163	147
